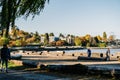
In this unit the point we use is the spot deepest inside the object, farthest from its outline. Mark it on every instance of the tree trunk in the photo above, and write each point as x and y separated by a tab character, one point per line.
4	16
9	17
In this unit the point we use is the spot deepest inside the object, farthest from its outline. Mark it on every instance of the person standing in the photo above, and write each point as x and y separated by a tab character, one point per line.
108	54
5	56
89	52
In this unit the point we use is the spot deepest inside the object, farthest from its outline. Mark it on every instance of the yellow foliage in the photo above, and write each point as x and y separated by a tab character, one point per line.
87	37
29	40
99	38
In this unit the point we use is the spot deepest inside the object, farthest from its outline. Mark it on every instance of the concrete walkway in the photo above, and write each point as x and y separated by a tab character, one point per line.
26	75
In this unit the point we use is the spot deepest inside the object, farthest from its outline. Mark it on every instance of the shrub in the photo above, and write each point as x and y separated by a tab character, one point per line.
4	40
18	43
102	45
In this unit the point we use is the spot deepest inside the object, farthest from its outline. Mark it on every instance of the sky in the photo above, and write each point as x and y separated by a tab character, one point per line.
76	17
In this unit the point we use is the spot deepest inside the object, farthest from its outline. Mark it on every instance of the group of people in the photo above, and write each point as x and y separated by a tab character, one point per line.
5	57
107	53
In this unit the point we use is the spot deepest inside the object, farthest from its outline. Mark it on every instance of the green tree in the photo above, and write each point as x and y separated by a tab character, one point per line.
61	35
37	37
11	9
46	40
8	13
51	34
104	36
102	44
4	40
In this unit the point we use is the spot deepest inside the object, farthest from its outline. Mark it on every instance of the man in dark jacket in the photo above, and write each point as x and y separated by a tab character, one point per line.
89	52
5	56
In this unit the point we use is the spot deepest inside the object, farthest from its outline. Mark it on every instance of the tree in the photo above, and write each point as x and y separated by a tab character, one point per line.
61	35
46	41
8	13
60	43
84	41
51	34
87	37
11	9
96	39
14	32
111	38
78	41
104	36
93	42
37	37
99	38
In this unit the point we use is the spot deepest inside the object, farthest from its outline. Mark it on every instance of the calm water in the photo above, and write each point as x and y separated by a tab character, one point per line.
112	51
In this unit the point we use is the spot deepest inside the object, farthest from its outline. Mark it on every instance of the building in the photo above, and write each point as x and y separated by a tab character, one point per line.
62	38
51	39
70	40
42	39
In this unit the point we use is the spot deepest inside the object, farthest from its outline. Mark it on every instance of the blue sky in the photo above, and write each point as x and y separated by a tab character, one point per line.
77	17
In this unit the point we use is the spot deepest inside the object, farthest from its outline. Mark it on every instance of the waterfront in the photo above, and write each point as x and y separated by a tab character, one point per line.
66	49
112	51
56	59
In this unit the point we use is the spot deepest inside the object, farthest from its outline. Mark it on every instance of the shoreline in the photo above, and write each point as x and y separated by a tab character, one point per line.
57	59
47	48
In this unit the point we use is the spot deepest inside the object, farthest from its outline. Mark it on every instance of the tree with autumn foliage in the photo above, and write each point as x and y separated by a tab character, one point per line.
99	38
83	41
77	41
111	38
61	43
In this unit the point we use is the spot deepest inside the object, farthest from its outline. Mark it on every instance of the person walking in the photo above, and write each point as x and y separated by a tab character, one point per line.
108	54
89	52
5	56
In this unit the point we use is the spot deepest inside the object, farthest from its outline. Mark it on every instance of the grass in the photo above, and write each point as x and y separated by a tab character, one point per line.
13	66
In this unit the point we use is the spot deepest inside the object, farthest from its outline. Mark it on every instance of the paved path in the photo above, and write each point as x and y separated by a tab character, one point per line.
25	75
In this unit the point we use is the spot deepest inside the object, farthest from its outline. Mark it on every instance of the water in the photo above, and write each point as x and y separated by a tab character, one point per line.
112	51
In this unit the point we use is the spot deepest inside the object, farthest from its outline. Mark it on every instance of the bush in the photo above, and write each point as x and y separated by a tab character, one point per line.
88	45
102	45
4	40
18	43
